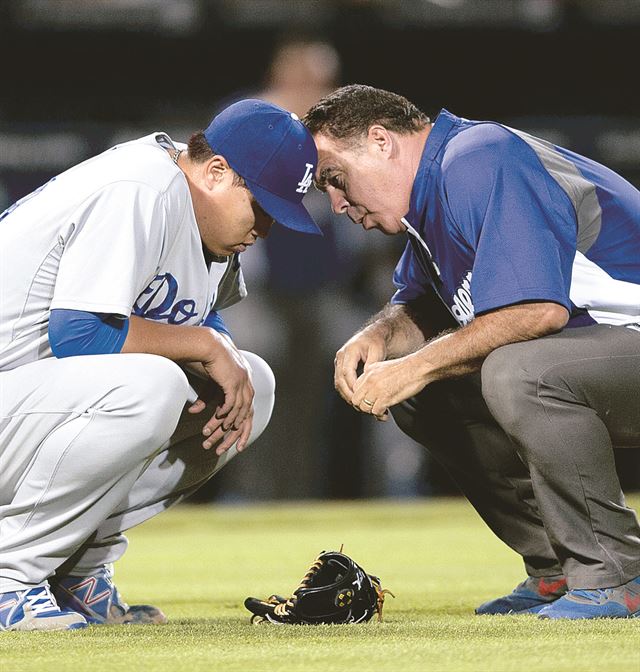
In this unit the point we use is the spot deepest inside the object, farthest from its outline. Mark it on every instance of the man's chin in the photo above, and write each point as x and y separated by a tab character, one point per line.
388	228
221	252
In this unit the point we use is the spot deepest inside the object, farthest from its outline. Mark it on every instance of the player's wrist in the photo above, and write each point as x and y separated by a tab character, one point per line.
214	343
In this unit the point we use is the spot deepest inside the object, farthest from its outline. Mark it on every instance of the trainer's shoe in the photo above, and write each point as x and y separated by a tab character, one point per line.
620	602
36	609
98	600
529	597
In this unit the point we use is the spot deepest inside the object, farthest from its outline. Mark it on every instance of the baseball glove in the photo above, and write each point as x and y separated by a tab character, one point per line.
334	590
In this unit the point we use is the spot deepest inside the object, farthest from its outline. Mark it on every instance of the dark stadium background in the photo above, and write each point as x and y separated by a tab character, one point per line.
80	75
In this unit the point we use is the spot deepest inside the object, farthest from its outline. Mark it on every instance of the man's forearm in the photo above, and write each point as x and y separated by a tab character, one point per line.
398	325
178	343
387	383
462	352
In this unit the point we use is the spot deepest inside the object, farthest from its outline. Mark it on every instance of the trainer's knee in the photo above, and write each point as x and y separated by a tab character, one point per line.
509	379
264	384
441	406
405	416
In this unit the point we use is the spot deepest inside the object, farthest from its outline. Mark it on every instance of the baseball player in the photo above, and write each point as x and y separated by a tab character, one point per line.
121	391
533	253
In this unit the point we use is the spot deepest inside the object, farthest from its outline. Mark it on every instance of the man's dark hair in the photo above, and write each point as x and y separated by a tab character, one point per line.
200	151
198	148
350	111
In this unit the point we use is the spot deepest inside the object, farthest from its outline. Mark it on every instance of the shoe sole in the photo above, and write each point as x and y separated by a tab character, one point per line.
530	610
31	626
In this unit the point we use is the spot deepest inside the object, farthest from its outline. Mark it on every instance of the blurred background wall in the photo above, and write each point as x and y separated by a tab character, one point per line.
81	75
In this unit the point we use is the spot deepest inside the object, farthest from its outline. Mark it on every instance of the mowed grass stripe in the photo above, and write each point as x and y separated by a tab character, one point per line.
199	563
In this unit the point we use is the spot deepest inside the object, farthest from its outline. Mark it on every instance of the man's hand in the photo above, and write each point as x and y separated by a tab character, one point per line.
213	356
385	384
214	432
367	347
233	418
393	332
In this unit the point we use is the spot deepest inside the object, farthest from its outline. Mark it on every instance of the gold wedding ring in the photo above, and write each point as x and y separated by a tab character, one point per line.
367	402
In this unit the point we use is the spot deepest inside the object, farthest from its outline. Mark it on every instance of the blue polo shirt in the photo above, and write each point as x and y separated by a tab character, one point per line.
499	217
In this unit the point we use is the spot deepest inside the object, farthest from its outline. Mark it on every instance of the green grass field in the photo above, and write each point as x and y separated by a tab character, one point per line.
199	563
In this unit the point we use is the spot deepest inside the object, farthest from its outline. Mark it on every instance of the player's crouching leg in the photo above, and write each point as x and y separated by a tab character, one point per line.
153	393
199	464
175	472
90	424
264	384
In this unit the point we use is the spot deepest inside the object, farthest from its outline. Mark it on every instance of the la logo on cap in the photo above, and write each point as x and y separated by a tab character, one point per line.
307	179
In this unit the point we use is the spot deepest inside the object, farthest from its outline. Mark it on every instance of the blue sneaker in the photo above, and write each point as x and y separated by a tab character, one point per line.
36	609
98	600
620	602
529	597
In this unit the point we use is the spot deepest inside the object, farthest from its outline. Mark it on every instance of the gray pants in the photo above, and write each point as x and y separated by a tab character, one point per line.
529	442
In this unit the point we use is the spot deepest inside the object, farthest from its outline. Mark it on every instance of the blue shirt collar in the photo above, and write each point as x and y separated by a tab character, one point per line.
432	147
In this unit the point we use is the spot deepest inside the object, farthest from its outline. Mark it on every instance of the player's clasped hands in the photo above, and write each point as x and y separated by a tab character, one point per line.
233	418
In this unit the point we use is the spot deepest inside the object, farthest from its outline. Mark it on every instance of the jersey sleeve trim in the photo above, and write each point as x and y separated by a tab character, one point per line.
522	296
214	321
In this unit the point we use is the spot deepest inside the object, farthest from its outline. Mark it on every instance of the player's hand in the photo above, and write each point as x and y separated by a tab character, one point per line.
234	416
365	348
210	395
241	435
385	384
214	432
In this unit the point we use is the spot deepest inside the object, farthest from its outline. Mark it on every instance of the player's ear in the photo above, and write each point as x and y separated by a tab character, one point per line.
216	169
379	139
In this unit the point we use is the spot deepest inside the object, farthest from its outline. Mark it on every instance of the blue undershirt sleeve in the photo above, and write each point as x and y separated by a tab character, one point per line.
77	332
215	321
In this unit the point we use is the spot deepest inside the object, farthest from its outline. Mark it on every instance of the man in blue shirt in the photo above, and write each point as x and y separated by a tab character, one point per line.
513	242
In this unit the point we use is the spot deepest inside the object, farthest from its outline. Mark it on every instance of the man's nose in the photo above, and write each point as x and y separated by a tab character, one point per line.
339	203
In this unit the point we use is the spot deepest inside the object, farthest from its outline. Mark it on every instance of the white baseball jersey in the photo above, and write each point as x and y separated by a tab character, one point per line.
115	234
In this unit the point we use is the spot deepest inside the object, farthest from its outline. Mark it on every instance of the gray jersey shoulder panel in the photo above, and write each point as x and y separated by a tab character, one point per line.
580	191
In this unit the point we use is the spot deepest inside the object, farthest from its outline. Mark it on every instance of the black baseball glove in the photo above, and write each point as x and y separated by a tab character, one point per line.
334	590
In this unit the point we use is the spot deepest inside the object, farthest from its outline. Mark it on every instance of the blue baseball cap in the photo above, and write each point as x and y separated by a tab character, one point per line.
273	152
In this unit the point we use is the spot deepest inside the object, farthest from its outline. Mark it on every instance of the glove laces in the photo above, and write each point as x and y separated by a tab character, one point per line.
283	608
381	593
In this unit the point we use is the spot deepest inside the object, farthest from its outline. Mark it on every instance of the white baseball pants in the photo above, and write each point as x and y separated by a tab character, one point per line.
91	446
